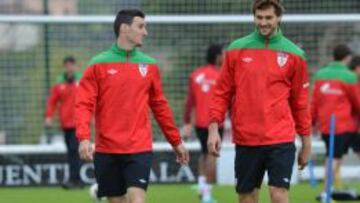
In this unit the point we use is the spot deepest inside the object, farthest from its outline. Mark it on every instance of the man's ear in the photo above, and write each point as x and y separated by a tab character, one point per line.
123	27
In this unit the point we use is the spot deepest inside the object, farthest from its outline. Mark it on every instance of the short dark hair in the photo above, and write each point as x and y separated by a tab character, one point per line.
213	51
69	59
341	51
265	4
126	16
355	62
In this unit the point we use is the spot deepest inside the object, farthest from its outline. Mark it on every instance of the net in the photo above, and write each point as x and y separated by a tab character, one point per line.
29	63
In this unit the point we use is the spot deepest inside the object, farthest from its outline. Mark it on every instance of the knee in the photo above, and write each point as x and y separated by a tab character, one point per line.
137	200
278	195
133	198
251	197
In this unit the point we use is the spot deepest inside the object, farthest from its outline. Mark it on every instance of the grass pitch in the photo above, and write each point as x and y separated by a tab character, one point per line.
301	193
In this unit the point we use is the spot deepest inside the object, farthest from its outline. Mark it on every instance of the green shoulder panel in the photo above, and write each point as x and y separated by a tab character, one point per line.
61	78
110	56
285	45
107	56
248	41
332	74
279	43
140	57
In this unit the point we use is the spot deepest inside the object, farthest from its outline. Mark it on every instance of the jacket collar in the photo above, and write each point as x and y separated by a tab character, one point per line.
276	36
116	49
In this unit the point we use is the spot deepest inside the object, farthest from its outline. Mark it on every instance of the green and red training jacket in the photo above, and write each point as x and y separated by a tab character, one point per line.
335	92
62	97
265	82
120	87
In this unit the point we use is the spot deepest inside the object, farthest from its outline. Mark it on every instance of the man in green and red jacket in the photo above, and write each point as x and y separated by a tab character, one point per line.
264	80
335	92
120	85
62	97
354	141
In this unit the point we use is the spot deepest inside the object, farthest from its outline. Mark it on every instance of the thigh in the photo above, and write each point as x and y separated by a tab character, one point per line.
279	164
109	175
203	134
137	170
249	168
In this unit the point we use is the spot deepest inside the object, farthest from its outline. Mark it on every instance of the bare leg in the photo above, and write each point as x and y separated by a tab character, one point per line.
136	195
252	197
278	194
210	168
120	199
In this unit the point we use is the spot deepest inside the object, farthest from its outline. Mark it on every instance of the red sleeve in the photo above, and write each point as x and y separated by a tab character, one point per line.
162	112
52	102
85	103
189	102
353	93
299	102
223	92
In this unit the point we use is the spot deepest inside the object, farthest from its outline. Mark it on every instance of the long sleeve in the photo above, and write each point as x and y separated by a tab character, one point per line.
86	99
299	101
162	112
353	94
52	102
223	92
189	102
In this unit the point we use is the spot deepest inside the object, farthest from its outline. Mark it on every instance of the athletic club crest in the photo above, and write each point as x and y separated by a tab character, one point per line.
282	58
143	69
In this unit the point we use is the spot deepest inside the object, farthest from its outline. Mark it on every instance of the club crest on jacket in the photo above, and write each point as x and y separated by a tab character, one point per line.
282	58
143	69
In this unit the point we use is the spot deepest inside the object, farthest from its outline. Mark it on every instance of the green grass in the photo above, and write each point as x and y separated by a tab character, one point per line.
301	193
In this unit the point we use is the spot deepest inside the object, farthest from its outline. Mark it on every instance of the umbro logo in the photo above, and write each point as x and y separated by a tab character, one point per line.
247	59
112	71
142	181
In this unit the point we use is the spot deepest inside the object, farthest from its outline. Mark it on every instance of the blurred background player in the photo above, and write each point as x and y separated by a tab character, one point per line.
334	92
265	79
62	97
354	141
200	90
122	83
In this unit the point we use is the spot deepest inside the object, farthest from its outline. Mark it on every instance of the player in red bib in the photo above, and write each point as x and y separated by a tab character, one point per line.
200	90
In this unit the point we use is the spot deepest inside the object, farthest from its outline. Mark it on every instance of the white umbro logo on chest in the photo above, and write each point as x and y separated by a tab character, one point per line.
247	59
112	71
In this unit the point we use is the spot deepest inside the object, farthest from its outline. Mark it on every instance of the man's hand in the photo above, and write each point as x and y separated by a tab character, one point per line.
48	122
214	140
182	154
187	130
86	150
305	151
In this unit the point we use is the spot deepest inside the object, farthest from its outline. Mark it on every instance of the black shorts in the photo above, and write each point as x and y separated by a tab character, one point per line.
203	134
116	172
353	142
251	163
341	144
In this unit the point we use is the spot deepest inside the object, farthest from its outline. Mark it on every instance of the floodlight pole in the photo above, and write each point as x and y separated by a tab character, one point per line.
46	49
